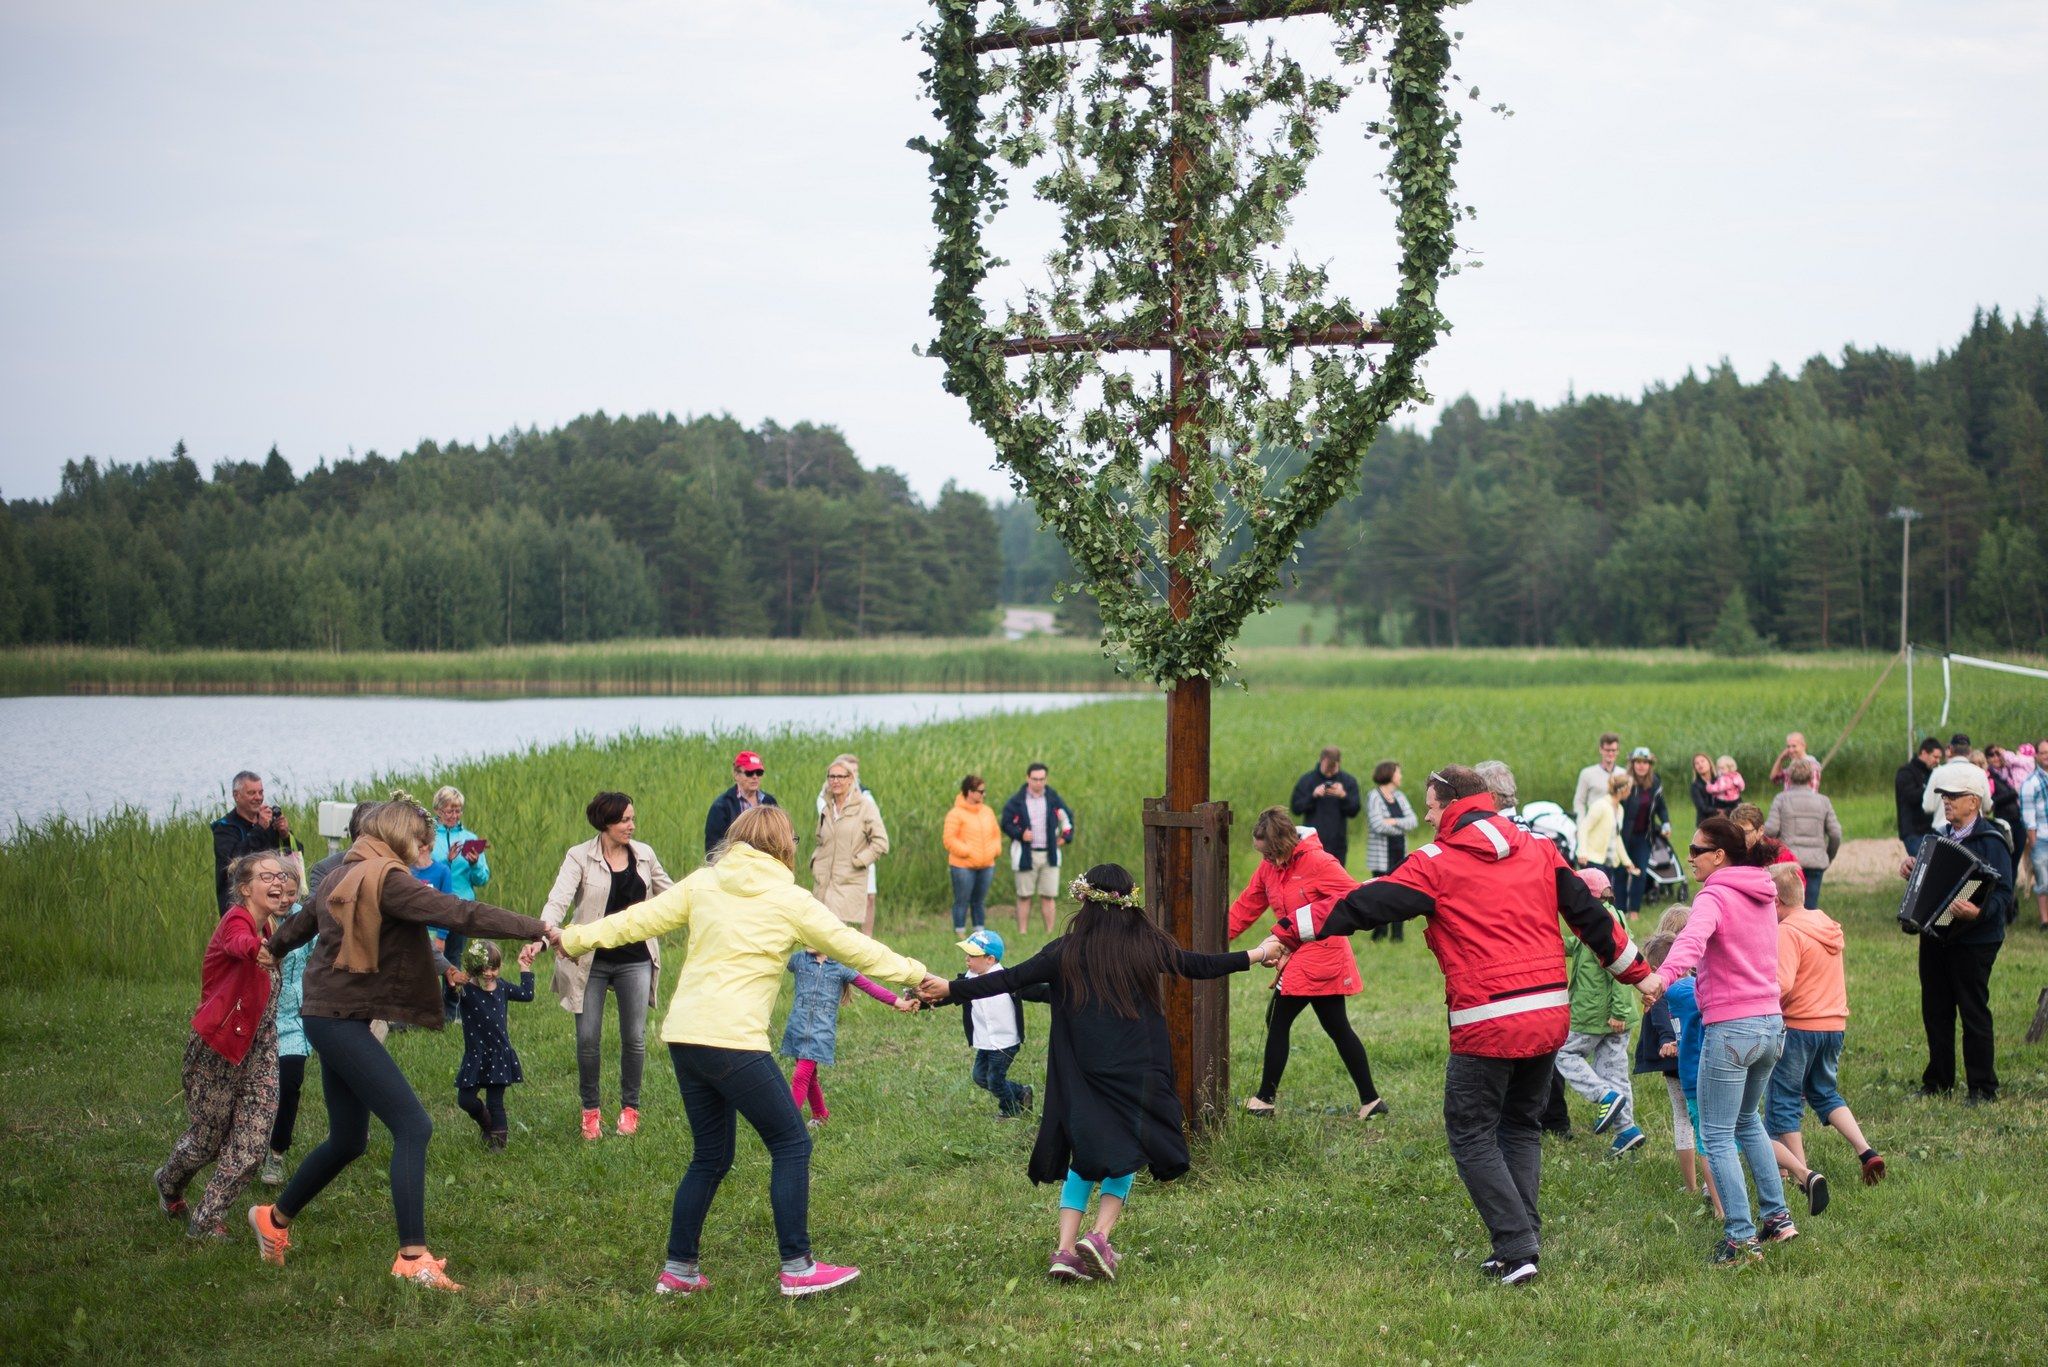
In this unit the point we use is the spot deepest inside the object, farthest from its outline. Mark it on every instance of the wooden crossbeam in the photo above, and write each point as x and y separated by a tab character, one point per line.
1344	334
1151	20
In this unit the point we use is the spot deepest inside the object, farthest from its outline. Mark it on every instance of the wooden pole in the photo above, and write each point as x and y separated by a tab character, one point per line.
1196	1069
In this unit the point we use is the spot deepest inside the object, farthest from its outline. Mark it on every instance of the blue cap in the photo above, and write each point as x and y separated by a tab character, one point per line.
984	941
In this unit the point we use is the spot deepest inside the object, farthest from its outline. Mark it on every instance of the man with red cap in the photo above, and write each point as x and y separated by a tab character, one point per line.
744	795
1493	894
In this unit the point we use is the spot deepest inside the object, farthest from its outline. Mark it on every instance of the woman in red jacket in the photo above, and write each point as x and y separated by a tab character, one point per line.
231	1059
1294	869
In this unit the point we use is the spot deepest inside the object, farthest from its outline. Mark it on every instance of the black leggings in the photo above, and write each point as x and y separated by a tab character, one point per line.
360	1081
1280	1014
291	1076
489	1112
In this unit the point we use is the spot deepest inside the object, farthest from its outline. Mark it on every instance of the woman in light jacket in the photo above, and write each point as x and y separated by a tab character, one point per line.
600	878
1805	823
1600	843
973	840
850	838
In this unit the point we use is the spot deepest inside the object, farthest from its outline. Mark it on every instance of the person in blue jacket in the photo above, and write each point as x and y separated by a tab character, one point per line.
1039	823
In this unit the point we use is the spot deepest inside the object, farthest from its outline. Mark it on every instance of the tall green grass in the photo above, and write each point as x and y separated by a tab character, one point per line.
708	666
130	897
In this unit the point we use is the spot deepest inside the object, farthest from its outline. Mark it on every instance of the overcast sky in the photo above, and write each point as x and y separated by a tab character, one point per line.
358	225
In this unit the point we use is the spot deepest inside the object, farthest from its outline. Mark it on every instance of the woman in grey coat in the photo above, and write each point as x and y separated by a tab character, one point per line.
1805	823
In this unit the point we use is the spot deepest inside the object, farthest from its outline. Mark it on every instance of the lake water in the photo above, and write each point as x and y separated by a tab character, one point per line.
85	756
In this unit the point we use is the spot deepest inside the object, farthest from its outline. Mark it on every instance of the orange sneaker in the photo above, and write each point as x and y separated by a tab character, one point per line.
629	1120
593	1125
273	1240
425	1270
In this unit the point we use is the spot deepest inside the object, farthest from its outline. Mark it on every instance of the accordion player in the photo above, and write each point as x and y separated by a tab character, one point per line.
1944	873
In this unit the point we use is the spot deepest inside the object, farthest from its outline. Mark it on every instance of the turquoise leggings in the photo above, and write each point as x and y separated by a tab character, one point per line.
1074	1192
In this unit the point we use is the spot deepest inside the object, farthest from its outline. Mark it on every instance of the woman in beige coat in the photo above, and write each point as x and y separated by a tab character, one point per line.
600	878
850	838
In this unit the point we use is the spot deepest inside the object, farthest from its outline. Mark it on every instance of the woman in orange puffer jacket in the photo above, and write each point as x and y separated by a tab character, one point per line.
1294	869
973	839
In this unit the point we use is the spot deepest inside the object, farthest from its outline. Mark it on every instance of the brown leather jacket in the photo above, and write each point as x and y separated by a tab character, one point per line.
405	986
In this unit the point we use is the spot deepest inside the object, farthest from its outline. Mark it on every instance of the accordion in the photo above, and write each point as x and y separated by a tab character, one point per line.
1944	873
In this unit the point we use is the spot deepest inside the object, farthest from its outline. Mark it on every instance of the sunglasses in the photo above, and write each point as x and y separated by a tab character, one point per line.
1952	797
753	773
1698	850
835	775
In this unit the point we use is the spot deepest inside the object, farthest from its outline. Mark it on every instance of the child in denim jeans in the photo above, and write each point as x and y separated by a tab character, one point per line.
995	1026
1815	995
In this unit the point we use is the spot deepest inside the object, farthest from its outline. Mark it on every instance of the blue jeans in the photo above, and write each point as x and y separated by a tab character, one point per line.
992	1075
718	1086
970	891
1736	1061
1813	888
1805	1072
1630	887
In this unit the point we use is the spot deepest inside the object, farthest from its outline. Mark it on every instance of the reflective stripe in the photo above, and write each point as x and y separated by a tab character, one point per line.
1622	960
1305	921
1513	1006
1432	849
1500	846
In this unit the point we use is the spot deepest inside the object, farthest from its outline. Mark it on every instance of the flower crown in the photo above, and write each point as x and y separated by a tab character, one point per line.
1085	891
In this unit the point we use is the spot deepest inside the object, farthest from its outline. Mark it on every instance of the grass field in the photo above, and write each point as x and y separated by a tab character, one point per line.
1298	1240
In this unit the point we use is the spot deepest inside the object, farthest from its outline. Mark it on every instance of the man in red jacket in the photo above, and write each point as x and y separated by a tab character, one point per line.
1493	894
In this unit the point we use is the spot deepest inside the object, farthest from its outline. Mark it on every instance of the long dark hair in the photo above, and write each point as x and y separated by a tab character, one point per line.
1113	954
1733	841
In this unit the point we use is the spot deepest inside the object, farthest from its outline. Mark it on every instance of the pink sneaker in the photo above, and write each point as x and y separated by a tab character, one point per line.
1096	1252
669	1284
821	1277
593	1125
629	1120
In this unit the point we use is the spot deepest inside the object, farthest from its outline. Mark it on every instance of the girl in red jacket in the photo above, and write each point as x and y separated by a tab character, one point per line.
231	1059
1294	870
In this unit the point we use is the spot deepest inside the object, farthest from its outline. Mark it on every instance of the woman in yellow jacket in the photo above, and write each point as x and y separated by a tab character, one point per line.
1600	842
745	915
973	840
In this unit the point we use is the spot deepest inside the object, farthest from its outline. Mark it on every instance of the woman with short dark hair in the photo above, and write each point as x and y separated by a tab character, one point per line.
1388	819
601	878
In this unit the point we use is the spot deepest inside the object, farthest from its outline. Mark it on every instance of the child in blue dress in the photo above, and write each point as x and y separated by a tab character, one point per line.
811	1035
489	1062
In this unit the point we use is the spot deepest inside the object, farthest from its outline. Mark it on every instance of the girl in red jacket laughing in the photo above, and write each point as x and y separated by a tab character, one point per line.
1294	870
231	1059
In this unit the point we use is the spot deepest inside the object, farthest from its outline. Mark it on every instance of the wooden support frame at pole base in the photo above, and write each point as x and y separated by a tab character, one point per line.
1195	912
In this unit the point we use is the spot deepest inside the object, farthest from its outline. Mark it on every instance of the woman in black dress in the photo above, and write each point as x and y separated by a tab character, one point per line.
1110	1103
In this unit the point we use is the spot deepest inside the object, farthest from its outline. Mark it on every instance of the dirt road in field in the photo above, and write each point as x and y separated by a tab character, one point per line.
1867	862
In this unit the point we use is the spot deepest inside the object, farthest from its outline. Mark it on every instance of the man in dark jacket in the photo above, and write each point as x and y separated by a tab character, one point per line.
744	795
251	826
1039	824
1909	794
1328	799
1955	974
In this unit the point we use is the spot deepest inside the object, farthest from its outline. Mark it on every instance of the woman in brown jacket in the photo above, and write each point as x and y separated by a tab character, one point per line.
375	961
850	838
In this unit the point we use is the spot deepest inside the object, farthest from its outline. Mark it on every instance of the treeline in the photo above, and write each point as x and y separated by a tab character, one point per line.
1716	513
606	527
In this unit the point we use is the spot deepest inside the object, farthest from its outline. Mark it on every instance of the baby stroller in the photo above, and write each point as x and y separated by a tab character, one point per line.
1554	824
1663	876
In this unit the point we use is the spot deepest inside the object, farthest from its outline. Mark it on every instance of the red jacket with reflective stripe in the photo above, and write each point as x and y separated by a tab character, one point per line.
1326	968
1493	895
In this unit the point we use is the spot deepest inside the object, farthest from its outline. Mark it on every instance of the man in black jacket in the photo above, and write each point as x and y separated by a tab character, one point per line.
1955	974
1329	799
251	826
1909	794
744	795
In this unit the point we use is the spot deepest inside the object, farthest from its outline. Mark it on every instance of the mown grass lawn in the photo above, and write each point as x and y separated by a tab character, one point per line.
1302	1239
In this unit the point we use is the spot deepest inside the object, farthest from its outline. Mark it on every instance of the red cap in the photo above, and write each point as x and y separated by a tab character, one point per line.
747	759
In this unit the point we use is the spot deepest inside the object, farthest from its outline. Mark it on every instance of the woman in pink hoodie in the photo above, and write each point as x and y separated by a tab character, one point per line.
1732	939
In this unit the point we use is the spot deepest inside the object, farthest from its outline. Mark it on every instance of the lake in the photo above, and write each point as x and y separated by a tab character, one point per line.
85	756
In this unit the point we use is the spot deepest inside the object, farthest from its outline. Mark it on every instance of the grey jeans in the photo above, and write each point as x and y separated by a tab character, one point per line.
1493	1114
631	983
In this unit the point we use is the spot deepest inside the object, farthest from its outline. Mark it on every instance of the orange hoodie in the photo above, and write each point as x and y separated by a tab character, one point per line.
1810	978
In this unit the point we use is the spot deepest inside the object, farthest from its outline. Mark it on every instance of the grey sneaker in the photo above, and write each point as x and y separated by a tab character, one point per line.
1096	1252
272	1174
172	1206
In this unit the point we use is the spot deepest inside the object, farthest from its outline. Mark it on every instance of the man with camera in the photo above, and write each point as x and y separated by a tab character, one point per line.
253	825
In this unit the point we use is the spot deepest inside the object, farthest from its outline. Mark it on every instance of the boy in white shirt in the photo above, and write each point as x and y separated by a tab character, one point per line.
995	1027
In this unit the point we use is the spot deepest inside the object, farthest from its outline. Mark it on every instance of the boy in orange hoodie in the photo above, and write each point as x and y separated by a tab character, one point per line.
1815	996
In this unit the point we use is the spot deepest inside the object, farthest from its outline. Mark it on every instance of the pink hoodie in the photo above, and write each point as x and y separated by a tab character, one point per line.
1732	938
